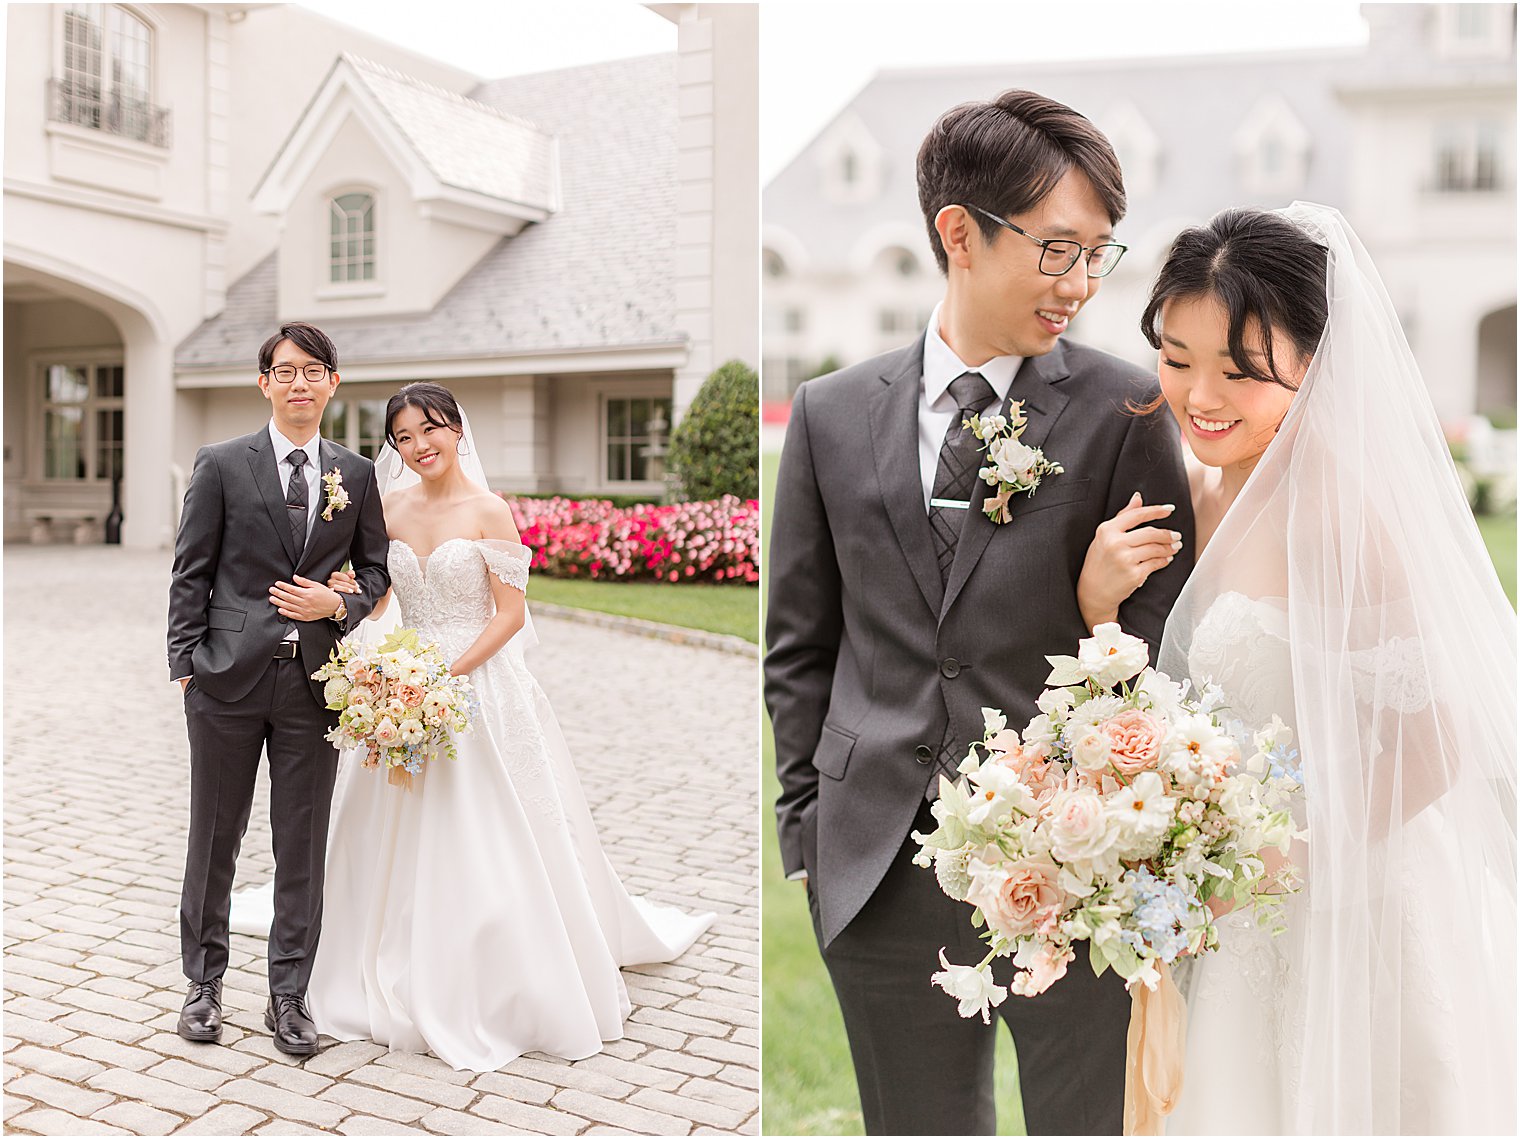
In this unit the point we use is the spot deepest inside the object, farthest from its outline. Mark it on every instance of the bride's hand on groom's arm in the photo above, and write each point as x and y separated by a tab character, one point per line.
344	581
1124	552
303	599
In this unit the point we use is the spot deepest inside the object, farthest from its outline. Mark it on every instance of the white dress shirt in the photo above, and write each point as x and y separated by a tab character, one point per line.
936	406
311	471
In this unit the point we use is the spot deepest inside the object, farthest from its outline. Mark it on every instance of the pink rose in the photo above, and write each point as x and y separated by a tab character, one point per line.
1078	826
386	733
1134	741
1015	897
410	695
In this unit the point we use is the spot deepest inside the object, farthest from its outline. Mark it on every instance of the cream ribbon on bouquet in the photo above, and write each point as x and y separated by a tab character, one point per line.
1154	1055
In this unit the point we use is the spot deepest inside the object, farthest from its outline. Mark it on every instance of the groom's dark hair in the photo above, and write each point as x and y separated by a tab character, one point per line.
1006	156
307	337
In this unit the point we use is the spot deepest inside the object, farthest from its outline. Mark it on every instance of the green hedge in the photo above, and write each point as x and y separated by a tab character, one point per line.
715	449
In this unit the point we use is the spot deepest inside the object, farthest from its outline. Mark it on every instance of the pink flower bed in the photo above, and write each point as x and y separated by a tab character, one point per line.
685	541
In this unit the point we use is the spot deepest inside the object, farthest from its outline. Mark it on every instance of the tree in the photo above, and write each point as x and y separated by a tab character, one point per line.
715	449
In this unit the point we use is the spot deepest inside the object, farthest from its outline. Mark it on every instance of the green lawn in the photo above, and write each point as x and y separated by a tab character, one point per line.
809	1086
730	609
1499	534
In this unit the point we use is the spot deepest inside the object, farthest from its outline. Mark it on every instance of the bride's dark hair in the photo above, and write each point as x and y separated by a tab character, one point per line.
1265	271
435	401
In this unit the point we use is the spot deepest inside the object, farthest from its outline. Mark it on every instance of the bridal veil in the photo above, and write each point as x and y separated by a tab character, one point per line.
1401	996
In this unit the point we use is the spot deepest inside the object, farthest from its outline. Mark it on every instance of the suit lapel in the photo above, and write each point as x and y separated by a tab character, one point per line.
1036	385
894	446
266	476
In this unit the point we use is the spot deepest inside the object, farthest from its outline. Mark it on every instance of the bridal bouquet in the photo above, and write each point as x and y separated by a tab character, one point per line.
397	701
1120	811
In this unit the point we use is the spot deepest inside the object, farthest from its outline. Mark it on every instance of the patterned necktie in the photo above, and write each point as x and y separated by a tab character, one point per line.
296	499
959	459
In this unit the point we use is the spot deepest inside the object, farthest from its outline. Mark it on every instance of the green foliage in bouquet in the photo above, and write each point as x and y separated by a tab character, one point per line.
716	447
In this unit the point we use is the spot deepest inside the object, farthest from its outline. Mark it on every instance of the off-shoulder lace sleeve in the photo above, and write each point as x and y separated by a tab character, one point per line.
507	560
1392	675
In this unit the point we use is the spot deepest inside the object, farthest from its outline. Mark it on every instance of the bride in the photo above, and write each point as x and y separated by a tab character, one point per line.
1341	584
472	914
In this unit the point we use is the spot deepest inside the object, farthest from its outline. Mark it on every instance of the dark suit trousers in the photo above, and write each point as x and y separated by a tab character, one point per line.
922	1069
281	715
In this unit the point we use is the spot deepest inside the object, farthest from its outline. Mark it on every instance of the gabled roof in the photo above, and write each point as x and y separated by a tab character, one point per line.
598	274
447	146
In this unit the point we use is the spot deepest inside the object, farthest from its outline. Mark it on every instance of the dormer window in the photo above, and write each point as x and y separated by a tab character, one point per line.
1137	145
1272	147
106	78
351	254
850	161
1476	31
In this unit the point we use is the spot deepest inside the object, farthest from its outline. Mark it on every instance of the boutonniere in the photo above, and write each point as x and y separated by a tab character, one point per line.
337	497
1013	468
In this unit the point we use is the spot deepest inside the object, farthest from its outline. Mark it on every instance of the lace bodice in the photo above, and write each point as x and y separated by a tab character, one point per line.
1242	645
446	596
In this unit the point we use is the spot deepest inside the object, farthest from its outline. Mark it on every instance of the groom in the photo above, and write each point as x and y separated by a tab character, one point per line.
267	517
898	609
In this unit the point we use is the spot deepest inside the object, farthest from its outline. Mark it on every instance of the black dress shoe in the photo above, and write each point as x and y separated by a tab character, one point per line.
287	1018
201	1018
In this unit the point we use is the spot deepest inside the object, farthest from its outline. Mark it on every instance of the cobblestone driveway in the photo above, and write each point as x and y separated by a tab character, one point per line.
96	793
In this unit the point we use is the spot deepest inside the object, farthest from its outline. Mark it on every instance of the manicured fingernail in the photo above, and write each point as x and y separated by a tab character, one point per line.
1171	506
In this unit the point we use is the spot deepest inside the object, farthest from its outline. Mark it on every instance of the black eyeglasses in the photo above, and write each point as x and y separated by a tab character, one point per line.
1059	255
286	373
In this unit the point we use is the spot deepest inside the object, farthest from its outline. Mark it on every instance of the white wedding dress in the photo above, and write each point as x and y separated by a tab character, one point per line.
475	915
1247	1017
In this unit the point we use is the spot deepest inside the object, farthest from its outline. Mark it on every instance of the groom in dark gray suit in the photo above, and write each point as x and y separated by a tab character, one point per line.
267	517
898	609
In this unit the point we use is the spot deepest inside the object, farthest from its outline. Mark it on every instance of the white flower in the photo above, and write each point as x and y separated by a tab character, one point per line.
335	689
972	986
1091	713
1275	734
413	731
1055	702
1090	751
998	792
993	721
950	869
1014	461
1164	694
1143	813
1079	827
1111	655
1196	752
1040	735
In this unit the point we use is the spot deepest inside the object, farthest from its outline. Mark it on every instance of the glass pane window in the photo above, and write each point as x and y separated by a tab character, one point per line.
351	241
335	421
371	427
83	421
107	80
633	425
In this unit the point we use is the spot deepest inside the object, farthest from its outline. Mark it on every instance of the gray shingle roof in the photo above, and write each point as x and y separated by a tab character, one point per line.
465	143
599	274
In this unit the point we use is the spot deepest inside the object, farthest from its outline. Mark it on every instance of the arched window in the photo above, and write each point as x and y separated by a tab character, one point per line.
107	79
351	253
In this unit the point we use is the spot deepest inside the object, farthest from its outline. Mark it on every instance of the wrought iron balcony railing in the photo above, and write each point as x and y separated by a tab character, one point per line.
86	105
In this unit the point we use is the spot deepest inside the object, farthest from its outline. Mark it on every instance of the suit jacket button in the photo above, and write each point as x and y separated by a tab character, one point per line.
923	753
950	668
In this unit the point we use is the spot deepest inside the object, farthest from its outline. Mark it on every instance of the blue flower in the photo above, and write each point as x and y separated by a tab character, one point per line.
1161	910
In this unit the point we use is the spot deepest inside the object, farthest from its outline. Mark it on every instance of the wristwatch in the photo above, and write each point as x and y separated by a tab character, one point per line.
342	614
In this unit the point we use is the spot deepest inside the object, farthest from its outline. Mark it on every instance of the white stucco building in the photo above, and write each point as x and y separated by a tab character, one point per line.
1412	137
571	252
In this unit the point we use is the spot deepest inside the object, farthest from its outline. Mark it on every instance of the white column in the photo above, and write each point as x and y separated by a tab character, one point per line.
147	491
520	459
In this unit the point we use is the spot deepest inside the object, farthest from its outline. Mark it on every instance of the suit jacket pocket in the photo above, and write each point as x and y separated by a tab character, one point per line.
832	755
1057	492
229	619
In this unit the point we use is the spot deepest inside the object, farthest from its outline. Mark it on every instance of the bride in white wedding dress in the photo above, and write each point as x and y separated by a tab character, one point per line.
474	913
1341	584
